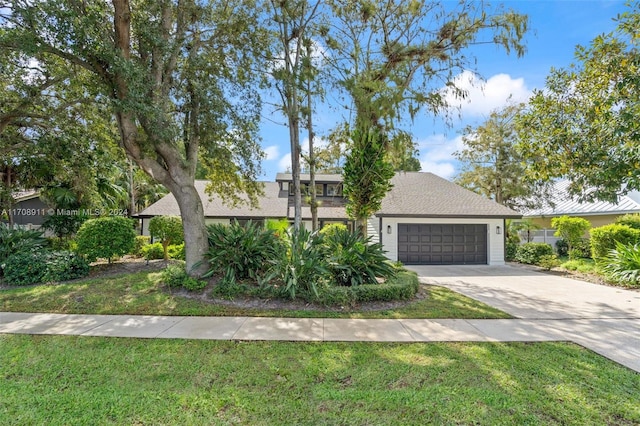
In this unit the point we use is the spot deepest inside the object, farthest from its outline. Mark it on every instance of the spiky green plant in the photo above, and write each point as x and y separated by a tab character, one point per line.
623	264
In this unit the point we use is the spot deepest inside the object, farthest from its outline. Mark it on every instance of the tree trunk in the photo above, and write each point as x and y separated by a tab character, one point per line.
195	230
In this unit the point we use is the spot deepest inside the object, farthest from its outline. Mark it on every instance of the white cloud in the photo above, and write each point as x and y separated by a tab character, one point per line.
285	163
272	152
436	154
484	97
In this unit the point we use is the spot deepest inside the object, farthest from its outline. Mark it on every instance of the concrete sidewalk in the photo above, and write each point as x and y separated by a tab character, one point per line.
610	338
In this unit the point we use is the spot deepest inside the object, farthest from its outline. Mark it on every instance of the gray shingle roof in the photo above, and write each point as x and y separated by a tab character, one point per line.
564	204
420	194
271	204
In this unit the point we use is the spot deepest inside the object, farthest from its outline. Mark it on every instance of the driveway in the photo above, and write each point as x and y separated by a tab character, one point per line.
528	294
602	318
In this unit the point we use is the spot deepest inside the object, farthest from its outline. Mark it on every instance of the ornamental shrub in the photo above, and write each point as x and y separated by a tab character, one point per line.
139	243
278	226
106	237
530	253
176	276
38	267
623	264
511	246
604	238
570	229
548	261
632	220
168	229
152	251
241	252
176	251
18	240
353	260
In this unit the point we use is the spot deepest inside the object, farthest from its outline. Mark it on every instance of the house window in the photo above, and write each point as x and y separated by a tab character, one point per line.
334	190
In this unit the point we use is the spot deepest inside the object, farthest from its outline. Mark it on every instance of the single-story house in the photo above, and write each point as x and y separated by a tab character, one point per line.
424	219
28	209
599	213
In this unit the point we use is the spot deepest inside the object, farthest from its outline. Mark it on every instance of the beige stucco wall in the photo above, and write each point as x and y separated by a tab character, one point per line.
495	252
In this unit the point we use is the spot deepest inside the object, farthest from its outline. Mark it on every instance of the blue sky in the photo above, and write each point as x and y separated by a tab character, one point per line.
557	27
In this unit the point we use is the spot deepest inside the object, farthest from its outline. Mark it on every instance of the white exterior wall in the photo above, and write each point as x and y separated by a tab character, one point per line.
372	229
495	252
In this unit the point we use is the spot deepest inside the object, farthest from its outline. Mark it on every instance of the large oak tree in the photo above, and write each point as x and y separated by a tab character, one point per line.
176	75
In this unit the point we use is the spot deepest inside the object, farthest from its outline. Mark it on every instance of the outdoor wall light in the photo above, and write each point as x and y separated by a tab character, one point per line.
498	230
388	229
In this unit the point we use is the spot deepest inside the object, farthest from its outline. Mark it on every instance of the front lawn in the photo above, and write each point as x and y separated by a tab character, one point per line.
142	293
86	380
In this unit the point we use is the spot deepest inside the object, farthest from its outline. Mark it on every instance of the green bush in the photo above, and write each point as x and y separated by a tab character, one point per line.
623	265
562	247
62	244
240	252
402	287
176	251
631	220
18	240
333	228
353	260
571	229
604	238
581	249
176	276
168	229
152	251
278	226
140	242
530	253
548	261
511	246
106	237
37	267
64	266
302	266
64	225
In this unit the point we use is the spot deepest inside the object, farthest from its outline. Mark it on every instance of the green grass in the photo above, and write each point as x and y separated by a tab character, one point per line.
143	294
56	380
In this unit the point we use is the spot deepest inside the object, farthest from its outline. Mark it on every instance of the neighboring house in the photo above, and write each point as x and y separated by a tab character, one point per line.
424	219
28	209
599	213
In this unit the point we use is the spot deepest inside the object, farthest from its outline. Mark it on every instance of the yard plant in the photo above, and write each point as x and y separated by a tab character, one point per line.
623	264
106	237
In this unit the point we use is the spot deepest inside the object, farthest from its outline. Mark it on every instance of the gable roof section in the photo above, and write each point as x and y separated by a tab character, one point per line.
564	204
270	205
419	194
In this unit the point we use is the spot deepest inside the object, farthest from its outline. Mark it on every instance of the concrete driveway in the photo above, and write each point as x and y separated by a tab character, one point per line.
602	318
529	294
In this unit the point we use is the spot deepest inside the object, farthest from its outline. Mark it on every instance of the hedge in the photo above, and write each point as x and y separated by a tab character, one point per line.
530	253
403	287
603	239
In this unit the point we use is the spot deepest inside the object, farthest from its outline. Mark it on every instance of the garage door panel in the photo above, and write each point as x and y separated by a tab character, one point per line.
442	244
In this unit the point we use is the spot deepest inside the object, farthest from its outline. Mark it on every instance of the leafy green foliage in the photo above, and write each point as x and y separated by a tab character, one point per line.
240	252
63	225
604	239
302	266
18	240
168	229
152	251
176	276
37	267
570	229
176	251
105	237
492	166
623	264
583	125
562	247
367	174
631	220
140	242
332	228
511	246
278	226
548	261
581	249
531	253
353	260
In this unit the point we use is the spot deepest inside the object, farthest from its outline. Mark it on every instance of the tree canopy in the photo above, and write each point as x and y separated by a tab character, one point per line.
492	166
584	124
